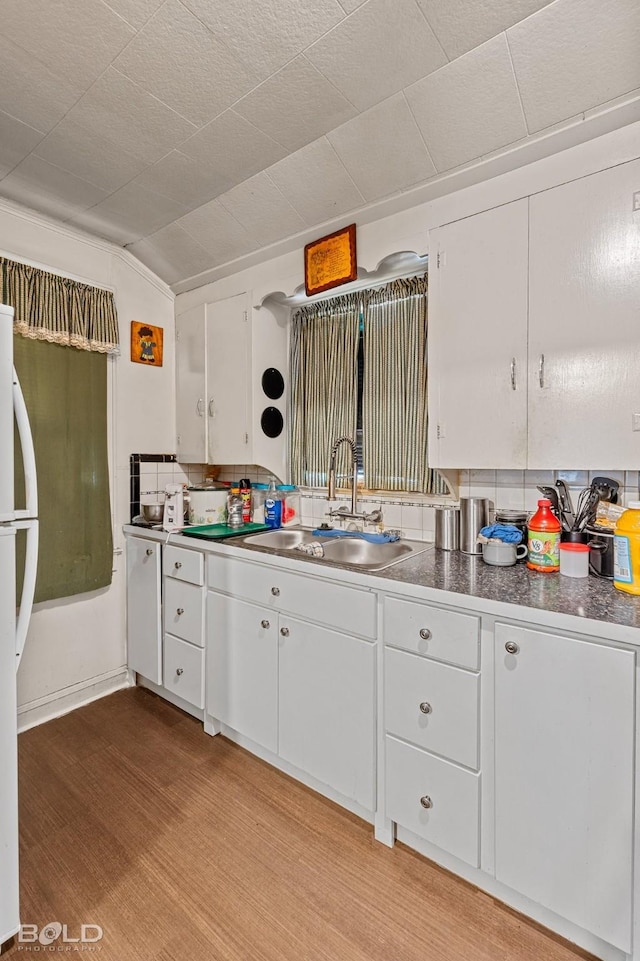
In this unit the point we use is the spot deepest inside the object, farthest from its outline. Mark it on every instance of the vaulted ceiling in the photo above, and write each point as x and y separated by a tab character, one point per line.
195	132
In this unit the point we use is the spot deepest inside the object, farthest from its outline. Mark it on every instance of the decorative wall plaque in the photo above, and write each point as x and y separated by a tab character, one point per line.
330	261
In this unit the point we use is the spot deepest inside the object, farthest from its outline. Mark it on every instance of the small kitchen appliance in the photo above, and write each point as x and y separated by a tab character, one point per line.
174	505
208	504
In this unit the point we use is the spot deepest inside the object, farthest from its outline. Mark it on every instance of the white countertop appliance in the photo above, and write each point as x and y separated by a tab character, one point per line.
13	629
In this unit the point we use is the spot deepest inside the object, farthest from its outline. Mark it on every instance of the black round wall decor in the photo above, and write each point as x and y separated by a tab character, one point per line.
273	383
271	422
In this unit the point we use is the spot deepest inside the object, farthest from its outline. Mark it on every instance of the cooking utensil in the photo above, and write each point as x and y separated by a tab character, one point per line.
552	495
566	507
587	504
607	488
152	512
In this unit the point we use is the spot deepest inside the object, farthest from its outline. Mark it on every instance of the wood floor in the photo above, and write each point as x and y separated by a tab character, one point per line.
183	847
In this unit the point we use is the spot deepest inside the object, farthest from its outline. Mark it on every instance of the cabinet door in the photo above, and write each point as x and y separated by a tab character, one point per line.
144	617
228	380
564	757
191	398
326	707
584	353
478	340
242	668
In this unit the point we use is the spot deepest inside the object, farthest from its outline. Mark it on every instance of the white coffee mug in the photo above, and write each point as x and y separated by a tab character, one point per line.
500	554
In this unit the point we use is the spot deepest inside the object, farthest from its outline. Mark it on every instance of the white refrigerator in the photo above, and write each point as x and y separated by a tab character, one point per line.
13	623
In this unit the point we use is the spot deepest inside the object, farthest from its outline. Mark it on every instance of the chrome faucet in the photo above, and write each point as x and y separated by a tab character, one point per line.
375	517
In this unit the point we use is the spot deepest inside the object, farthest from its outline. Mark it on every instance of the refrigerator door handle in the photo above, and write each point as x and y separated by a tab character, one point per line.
28	585
28	452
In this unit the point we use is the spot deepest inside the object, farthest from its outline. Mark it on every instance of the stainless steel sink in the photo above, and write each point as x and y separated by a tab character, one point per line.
346	551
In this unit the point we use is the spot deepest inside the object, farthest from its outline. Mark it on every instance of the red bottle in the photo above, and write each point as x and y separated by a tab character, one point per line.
543	539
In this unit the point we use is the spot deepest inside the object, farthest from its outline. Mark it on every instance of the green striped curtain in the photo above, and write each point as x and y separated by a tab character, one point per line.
59	310
394	412
324	379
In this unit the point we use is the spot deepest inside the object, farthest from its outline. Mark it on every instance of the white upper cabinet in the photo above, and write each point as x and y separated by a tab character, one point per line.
213	383
478	340
584	323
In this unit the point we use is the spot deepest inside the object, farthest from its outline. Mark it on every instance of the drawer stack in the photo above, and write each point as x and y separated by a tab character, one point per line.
431	704
183	614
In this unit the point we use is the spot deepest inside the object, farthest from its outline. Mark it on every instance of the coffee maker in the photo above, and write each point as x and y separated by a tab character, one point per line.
174	507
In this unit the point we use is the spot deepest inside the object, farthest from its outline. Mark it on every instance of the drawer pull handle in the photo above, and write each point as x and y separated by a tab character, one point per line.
425	633
180	610
149	551
265	624
511	647
284	631
179	671
275	591
426	802
426	708
178	565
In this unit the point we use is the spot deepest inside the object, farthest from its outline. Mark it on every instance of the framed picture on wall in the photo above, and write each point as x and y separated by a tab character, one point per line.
330	261
146	344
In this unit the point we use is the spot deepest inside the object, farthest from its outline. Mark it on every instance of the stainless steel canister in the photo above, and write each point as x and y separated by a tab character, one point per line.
474	514
448	528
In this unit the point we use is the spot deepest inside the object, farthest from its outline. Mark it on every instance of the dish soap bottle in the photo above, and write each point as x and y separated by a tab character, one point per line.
543	539
626	550
273	506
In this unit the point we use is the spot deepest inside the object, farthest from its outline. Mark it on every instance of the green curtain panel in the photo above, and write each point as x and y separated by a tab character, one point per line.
59	310
324	383
66	395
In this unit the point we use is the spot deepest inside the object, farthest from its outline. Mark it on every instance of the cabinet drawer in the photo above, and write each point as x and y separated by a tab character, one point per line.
183	610
183	565
415	778
433	705
422	629
351	609
183	670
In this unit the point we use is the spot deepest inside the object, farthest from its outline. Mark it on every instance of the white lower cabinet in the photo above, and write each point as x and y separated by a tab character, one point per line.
144	611
564	769
184	670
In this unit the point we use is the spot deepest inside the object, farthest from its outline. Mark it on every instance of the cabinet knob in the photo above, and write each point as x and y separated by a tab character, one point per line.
425	633
179	671
265	624
180	610
178	565
284	631
275	591
511	647
426	708
149	551
426	802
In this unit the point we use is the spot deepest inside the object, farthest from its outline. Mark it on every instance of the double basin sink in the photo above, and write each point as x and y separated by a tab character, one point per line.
346	551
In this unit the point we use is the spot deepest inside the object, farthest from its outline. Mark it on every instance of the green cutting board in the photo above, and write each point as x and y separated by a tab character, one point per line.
215	531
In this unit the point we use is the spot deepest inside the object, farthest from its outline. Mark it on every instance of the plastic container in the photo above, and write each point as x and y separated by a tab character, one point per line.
574	559
235	506
273	506
543	539
258	494
291	504
626	550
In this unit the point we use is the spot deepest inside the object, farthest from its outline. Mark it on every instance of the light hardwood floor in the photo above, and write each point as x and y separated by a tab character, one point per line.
186	848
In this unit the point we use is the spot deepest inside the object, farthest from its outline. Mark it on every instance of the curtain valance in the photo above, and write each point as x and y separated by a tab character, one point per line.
61	311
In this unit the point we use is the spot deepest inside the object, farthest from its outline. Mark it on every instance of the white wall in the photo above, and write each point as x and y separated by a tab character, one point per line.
76	646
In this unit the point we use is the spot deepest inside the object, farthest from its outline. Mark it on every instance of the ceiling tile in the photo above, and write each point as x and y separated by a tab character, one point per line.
267	34
470	107
135	12
17	140
461	25
125	114
77	41
89	156
104	225
47	188
140	210
218	232
172	254
183	179
296	105
381	48
350	5
315	181
383	149
575	54
262	210
180	62
29	91
232	148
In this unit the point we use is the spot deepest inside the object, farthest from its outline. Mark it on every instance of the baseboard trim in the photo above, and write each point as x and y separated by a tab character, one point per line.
68	699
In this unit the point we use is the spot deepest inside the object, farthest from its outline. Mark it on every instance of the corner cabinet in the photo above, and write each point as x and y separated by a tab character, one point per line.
534	350
213	383
564	784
